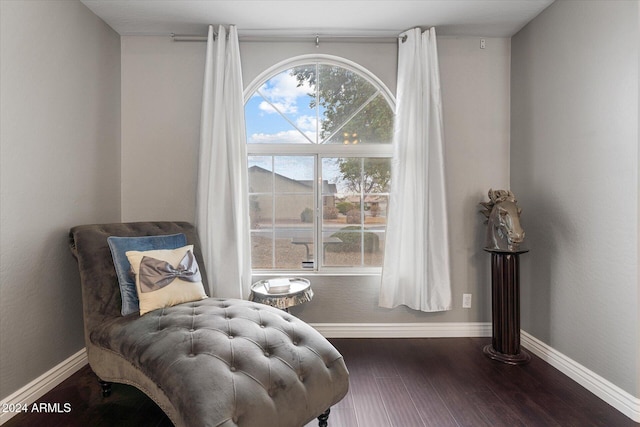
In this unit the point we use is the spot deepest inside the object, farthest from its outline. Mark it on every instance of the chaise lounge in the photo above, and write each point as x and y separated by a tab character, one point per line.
210	362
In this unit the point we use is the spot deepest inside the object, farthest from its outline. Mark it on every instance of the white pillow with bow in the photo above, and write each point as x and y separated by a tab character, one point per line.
166	277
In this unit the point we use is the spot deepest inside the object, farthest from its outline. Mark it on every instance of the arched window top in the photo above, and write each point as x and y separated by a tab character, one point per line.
318	100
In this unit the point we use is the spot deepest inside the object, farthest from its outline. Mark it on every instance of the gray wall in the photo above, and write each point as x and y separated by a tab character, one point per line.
574	168
161	99
60	166
161	105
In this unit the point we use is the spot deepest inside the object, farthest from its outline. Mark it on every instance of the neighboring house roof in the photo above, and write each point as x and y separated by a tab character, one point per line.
327	188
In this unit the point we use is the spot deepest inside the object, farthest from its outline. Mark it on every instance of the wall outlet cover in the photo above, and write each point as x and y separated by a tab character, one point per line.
466	300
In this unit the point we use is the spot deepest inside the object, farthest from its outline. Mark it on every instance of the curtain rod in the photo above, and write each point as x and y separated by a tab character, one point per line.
317	38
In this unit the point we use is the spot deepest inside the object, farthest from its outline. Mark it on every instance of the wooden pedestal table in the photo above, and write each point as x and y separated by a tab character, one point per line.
505	308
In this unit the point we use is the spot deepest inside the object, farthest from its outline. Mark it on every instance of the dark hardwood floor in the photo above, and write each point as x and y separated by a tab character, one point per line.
394	382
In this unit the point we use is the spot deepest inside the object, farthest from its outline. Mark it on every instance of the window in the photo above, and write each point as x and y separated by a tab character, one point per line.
319	145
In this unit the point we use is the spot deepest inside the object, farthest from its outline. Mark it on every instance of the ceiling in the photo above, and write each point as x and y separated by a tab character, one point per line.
355	18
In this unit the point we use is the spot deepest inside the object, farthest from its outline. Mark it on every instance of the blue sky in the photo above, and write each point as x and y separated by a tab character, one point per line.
280	96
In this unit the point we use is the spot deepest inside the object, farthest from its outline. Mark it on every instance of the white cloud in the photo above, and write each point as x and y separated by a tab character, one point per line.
285	108
283	92
284	137
307	124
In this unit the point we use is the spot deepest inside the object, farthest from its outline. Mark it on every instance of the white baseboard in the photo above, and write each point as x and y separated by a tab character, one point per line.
605	390
403	330
37	388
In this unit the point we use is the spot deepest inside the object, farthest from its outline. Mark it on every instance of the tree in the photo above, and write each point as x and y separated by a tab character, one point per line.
352	109
364	176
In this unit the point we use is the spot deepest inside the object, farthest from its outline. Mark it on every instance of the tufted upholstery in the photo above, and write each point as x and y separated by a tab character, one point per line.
215	362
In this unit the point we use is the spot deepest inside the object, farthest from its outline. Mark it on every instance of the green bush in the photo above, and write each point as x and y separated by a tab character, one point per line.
307	215
352	239
344	207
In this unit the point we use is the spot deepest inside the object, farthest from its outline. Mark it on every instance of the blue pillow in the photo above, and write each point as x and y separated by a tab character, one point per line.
120	245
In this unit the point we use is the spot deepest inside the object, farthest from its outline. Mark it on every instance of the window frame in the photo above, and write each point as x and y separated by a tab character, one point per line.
320	151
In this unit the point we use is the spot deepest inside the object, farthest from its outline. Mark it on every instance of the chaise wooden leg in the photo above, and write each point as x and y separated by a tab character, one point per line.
322	419
106	388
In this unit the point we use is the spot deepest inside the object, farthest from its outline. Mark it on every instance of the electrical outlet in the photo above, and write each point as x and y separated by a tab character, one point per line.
466	300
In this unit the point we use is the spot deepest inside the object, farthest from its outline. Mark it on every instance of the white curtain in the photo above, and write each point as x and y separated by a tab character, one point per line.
222	215
416	270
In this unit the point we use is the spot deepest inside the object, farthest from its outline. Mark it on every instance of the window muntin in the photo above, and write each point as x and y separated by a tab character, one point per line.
318	142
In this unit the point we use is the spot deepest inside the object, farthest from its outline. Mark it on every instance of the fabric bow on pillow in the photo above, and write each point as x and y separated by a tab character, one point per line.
156	274
166	277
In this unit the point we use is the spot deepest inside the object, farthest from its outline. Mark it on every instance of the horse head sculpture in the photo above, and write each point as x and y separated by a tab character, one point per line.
504	232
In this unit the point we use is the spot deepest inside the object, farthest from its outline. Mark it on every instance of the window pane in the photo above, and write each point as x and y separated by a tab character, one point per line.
281	112
260	174
267	126
261	211
290	256
294	211
375	211
375	256
294	174
372	124
296	247
376	175
343	247
341	93
262	243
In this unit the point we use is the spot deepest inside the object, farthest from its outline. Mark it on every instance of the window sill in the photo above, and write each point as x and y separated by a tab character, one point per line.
298	273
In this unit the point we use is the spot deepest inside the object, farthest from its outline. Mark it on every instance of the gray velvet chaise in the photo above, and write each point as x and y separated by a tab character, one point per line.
211	362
